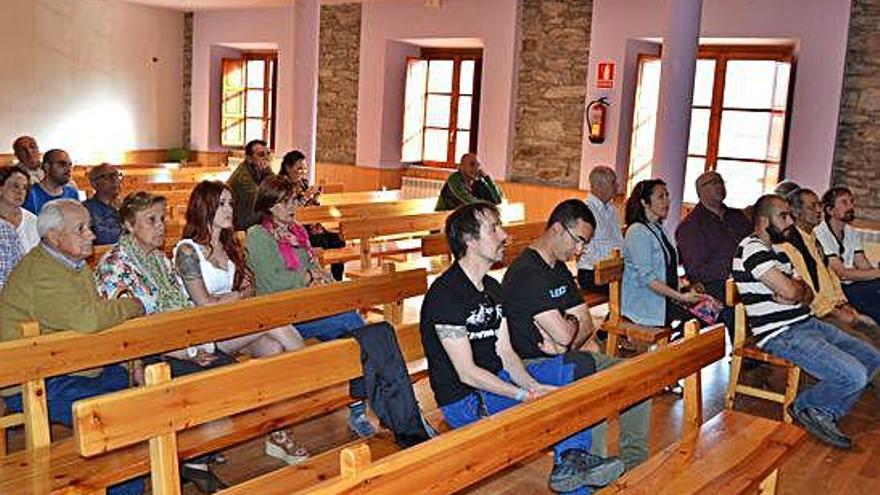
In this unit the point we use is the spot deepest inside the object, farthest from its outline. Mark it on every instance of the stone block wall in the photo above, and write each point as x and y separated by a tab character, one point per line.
338	69
550	91
856	163
186	113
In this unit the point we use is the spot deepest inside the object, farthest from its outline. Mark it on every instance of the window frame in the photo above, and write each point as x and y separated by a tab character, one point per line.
269	94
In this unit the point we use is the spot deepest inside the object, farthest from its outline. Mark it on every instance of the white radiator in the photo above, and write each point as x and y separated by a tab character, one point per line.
417	187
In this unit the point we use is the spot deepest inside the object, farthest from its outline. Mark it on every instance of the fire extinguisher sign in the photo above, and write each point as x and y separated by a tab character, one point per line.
605	75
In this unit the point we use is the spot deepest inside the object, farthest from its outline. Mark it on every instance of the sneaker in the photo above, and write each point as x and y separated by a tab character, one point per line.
358	422
821	426
282	445
578	468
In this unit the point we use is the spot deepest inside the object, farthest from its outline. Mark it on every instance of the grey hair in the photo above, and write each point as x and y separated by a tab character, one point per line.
602	174
52	215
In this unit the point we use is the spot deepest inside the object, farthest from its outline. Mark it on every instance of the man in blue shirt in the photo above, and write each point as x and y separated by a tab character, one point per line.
103	205
56	166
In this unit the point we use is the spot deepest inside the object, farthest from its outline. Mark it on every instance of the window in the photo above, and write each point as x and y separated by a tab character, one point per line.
738	119
441	105
248	104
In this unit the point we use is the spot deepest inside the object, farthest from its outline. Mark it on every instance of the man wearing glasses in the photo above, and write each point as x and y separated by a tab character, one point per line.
55	183
245	180
103	206
548	317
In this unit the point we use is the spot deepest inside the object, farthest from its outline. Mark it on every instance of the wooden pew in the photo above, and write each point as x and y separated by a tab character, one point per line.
45	467
610	271
732	453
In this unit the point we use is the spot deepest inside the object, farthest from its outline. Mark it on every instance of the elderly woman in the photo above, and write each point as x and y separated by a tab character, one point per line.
13	190
295	168
211	263
281	258
650	293
137	267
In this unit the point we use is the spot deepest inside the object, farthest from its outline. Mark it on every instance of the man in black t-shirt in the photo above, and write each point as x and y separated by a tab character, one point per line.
548	317
473	368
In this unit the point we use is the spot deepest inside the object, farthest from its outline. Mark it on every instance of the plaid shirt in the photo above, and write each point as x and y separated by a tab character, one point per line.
10	250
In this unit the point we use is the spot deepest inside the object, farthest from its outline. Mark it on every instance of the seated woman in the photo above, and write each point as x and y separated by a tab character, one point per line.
650	293
281	258
210	261
137	267
295	168
13	190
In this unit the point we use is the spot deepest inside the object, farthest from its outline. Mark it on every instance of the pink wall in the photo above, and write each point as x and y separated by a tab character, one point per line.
274	28
818	28
382	72
81	75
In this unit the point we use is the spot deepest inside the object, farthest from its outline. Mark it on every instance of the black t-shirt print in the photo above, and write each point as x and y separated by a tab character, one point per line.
531	287
454	304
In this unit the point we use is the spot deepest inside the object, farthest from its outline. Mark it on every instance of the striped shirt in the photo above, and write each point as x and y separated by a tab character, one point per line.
767	317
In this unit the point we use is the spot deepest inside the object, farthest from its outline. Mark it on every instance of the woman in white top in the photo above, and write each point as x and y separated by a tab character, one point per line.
13	190
210	260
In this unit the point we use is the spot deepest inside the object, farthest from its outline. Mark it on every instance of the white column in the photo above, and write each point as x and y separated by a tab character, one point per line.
306	31
679	61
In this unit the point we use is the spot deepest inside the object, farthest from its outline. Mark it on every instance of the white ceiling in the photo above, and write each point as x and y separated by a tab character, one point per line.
193	5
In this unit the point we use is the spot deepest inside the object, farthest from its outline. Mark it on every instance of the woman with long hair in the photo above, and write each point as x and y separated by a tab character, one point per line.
650	292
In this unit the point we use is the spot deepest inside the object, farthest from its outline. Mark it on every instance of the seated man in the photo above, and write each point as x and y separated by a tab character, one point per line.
54	286
55	183
829	302
708	236
842	247
607	235
28	155
245	180
467	185
103	206
547	315
777	305
473	368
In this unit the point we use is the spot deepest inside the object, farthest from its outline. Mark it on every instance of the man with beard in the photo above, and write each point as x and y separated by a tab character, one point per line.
473	368
842	247
468	184
245	181
55	183
548	317
777	305
28	155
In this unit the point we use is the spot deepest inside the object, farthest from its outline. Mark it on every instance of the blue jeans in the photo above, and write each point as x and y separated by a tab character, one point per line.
548	371
331	327
864	295
843	364
63	391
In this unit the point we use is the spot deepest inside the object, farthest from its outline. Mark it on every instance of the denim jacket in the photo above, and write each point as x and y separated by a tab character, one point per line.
644	262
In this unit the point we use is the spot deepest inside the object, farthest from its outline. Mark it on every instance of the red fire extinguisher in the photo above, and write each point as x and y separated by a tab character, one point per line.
596	112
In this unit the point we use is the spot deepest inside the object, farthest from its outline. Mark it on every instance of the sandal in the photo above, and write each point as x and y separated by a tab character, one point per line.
282	445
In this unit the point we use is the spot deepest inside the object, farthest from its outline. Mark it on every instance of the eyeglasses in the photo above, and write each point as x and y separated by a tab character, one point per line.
578	239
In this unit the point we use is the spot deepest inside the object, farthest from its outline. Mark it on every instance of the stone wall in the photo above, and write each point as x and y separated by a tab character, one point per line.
858	136
186	113
338	70
550	91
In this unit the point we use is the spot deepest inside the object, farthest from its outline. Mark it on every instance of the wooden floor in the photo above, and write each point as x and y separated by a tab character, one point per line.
815	468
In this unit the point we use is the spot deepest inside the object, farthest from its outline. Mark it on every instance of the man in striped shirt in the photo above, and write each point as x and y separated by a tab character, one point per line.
777	305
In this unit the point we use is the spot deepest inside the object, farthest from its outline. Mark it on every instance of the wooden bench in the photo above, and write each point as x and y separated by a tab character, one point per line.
732	453
49	467
610	272
744	349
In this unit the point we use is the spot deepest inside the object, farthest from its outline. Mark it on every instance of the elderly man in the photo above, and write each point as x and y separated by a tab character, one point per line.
245	180
830	303
608	235
707	238
842	247
103	206
28	155
777	306
467	185
55	183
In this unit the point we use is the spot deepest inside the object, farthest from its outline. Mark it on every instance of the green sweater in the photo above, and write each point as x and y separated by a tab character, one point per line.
43	289
455	193
267	265
244	182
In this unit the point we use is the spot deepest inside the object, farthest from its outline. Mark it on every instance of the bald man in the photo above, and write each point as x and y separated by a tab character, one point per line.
467	185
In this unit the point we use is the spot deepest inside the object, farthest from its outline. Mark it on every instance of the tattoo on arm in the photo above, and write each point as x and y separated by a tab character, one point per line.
451	331
188	264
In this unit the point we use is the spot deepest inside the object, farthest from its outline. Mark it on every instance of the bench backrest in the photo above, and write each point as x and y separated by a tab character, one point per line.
609	271
30	360
358	211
